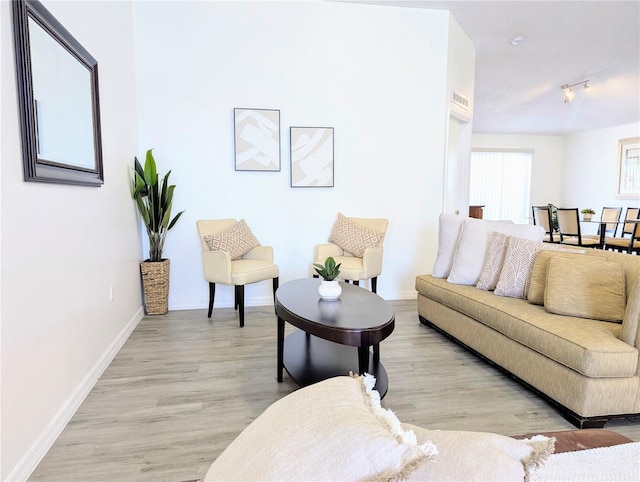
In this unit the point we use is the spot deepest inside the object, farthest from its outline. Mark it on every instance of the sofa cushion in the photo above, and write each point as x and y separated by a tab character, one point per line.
238	240
589	347
587	290
332	430
496	251
353	237
472	247
516	270
538	278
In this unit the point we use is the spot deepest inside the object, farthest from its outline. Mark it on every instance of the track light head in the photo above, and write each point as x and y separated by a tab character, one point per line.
567	91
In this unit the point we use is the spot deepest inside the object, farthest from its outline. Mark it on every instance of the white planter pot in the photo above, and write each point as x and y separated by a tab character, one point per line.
329	290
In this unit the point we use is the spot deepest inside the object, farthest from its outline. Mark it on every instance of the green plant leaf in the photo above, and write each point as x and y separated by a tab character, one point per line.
154	201
150	173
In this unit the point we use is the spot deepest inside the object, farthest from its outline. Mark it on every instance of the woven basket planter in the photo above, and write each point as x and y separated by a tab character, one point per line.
155	281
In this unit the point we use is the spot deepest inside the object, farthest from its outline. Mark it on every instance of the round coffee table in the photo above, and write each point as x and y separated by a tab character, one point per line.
330	330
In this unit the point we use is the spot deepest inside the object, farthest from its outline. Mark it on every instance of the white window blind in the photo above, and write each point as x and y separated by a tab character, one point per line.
501	181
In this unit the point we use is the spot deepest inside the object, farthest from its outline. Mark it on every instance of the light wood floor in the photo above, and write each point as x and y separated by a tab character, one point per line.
183	387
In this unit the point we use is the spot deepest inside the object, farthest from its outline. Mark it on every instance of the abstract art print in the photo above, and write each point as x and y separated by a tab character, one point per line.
257	139
311	156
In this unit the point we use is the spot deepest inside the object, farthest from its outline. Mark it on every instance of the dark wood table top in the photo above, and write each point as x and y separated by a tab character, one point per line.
358	315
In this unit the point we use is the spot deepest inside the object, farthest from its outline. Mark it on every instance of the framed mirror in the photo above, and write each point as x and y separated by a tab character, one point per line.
58	100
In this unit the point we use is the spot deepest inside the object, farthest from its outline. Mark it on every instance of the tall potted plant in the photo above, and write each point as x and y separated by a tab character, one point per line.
154	200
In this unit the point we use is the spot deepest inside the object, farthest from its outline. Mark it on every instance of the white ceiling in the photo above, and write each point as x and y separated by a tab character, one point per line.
517	88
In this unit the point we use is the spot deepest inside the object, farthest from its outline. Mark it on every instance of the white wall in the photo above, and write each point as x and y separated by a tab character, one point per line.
591	167
375	74
62	247
461	80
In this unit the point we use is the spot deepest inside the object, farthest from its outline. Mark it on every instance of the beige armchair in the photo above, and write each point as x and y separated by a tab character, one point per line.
231	255
356	243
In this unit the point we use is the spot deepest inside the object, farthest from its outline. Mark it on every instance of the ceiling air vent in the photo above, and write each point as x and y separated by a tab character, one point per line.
460	100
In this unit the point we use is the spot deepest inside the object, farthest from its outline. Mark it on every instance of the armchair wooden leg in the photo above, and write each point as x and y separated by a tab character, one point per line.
356	282
212	295
240	300
235	297
374	284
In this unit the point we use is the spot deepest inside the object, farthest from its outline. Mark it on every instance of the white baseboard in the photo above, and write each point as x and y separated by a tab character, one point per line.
38	450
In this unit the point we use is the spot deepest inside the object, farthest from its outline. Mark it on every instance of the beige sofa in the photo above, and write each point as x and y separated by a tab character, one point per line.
562	348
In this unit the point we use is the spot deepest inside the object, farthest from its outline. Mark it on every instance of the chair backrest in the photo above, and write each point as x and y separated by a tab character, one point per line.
379	225
611	216
212	226
632	213
568	222
542	217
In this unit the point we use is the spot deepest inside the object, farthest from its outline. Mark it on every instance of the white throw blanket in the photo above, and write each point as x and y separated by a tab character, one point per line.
615	463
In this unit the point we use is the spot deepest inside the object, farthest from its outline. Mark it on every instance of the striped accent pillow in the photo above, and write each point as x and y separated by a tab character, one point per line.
496	252
516	270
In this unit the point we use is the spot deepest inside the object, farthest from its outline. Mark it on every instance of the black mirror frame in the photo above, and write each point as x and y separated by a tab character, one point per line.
39	170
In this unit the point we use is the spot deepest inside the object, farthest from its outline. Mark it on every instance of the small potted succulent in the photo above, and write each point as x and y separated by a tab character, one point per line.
329	287
587	214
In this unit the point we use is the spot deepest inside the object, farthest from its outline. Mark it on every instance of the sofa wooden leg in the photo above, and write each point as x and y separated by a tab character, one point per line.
212	295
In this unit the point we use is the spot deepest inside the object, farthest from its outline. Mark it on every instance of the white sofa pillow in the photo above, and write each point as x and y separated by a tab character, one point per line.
472	246
449	227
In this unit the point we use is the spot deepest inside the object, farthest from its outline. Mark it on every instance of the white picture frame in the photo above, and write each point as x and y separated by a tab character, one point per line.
312	156
257	139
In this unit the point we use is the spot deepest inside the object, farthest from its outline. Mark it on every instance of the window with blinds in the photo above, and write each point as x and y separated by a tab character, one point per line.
501	181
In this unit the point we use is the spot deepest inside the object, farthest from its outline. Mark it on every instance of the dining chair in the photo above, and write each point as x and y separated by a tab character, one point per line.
622	243
570	233
231	255
611	216
542	217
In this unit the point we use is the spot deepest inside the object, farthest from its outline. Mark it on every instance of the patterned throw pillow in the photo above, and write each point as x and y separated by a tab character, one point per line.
492	267
238	240
518	264
353	237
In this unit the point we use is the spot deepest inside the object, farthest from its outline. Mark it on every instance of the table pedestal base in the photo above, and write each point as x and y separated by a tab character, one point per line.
309	359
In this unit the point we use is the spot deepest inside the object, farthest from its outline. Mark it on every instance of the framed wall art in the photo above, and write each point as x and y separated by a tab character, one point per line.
311	156
629	168
257	139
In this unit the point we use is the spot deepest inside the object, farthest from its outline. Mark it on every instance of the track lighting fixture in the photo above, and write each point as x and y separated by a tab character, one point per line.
567	90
